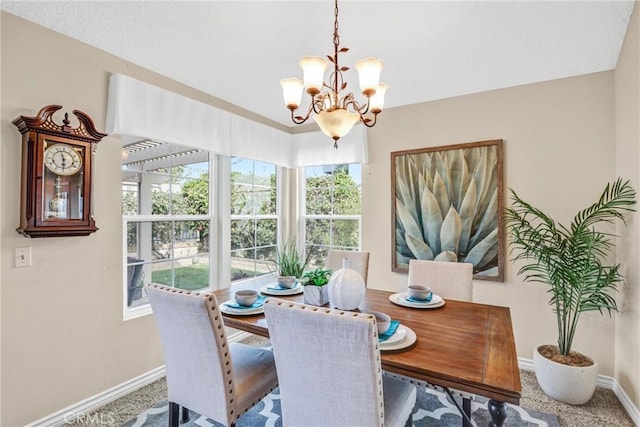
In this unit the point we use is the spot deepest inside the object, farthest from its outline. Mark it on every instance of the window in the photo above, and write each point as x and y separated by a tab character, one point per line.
254	219
331	210
166	215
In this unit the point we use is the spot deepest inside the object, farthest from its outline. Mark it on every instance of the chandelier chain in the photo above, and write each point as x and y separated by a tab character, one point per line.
336	44
336	36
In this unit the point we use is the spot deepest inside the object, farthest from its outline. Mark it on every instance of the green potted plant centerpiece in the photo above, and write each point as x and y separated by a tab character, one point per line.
571	261
290	264
315	286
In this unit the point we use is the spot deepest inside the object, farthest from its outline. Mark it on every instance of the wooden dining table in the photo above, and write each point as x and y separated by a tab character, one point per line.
463	346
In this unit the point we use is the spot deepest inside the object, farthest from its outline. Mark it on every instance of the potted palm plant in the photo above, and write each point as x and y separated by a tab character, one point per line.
315	286
290	264
571	262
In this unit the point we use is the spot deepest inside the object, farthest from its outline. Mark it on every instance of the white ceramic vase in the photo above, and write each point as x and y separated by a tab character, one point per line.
569	384
346	288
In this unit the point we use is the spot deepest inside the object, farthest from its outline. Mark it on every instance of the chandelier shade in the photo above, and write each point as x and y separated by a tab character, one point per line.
292	92
336	123
377	100
336	113
313	68
369	73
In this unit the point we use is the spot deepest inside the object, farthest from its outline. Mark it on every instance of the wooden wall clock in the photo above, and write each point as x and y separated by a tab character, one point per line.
56	185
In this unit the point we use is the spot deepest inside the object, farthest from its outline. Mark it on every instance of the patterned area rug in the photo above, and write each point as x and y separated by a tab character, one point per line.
432	409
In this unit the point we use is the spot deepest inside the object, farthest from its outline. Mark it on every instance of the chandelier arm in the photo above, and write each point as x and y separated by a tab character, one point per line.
298	119
369	124
350	100
317	103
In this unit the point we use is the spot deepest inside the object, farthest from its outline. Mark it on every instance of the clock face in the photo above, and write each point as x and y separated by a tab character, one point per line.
62	159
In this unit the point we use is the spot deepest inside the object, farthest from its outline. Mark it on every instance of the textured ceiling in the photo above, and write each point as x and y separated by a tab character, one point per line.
239	50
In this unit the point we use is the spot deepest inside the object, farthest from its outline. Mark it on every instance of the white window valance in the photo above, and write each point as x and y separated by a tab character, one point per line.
140	110
137	110
256	141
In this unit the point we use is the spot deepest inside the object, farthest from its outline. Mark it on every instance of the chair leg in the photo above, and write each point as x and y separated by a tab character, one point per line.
465	409
185	415
174	414
466	406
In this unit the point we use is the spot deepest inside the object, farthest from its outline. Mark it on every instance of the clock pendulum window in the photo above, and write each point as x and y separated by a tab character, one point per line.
57	174
63	165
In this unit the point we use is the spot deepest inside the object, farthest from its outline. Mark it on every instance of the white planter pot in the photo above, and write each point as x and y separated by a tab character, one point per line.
316	295
569	384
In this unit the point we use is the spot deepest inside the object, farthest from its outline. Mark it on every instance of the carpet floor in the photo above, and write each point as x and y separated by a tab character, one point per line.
433	409
604	409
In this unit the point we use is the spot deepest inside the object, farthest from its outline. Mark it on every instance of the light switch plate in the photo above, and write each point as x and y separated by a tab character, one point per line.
23	257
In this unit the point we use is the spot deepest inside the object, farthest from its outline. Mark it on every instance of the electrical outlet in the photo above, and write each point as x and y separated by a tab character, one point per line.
23	257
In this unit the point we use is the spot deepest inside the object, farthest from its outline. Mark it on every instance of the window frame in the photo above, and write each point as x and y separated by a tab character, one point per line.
303	217
129	313
279	187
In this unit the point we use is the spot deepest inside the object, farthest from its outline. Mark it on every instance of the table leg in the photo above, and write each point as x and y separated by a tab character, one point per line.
498	412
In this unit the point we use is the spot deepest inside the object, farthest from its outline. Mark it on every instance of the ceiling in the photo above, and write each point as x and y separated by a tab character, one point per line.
239	50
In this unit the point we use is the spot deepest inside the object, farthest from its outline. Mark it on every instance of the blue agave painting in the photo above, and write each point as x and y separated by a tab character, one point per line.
448	206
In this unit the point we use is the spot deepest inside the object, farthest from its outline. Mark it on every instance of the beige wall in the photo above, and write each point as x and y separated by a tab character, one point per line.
63	338
559	153
627	108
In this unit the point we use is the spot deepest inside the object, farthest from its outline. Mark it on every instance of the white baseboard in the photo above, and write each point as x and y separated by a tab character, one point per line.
81	409
605	382
525	364
628	405
238	336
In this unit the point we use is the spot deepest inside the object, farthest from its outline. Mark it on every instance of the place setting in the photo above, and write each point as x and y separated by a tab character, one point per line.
245	302
284	286
391	334
417	296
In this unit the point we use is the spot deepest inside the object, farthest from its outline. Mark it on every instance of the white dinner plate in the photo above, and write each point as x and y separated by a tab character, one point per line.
240	311
273	289
401	299
397	337
409	339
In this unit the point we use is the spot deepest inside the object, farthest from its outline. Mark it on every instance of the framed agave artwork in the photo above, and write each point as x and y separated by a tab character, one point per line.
447	206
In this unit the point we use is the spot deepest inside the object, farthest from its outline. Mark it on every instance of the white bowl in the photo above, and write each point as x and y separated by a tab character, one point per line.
419	292
288	282
246	297
383	321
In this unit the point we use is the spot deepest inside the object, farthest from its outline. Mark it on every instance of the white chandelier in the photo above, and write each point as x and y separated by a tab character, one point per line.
334	113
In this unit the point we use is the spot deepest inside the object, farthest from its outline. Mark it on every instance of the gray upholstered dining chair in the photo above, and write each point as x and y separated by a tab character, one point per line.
451	280
329	370
205	373
359	261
